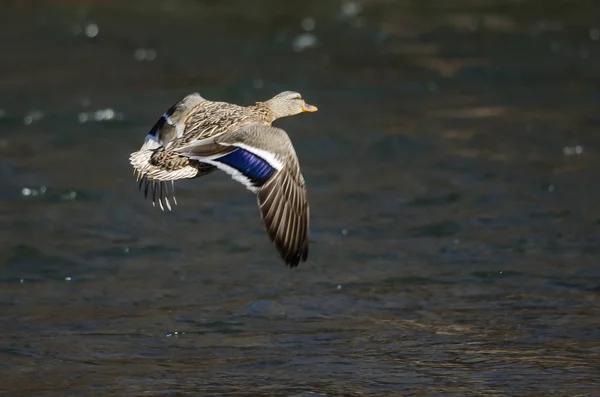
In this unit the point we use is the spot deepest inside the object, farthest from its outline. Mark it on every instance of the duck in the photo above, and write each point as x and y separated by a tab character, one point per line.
196	137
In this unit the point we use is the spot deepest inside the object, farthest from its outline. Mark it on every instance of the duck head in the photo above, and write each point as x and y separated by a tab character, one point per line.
288	103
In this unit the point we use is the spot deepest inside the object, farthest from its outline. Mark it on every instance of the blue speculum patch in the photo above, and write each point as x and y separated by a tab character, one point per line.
158	125
161	122
252	166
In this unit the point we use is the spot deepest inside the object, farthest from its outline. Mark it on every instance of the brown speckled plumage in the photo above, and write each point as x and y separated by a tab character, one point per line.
196	136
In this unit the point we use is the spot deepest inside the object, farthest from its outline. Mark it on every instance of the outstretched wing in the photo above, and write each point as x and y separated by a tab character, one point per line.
263	159
284	209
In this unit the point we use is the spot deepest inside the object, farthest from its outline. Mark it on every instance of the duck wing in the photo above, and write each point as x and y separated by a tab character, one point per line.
263	159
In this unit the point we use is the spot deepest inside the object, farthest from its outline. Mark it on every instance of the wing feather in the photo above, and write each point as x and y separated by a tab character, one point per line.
284	209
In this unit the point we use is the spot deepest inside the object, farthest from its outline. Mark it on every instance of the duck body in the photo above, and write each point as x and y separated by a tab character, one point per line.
196	137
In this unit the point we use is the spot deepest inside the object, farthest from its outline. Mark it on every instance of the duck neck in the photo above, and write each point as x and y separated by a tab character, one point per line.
263	109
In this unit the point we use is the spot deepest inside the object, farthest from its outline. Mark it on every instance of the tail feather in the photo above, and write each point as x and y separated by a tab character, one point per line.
154	179
142	163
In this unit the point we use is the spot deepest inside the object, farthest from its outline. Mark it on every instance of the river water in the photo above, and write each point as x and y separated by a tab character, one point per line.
452	172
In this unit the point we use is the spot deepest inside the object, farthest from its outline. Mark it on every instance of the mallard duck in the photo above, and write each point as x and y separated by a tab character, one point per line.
197	136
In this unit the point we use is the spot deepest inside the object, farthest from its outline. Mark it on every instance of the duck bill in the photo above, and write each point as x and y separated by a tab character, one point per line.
309	108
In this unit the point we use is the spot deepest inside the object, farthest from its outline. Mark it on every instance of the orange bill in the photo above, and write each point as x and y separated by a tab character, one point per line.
309	108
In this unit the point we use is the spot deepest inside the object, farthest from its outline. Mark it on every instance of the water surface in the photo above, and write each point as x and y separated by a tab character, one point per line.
453	180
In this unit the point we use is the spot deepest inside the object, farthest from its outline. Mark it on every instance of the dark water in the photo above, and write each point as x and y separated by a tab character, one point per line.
453	174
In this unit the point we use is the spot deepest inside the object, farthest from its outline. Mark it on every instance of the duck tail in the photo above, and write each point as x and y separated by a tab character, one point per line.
152	174
141	162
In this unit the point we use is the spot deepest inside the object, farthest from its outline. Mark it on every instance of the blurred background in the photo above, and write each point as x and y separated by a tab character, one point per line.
452	172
